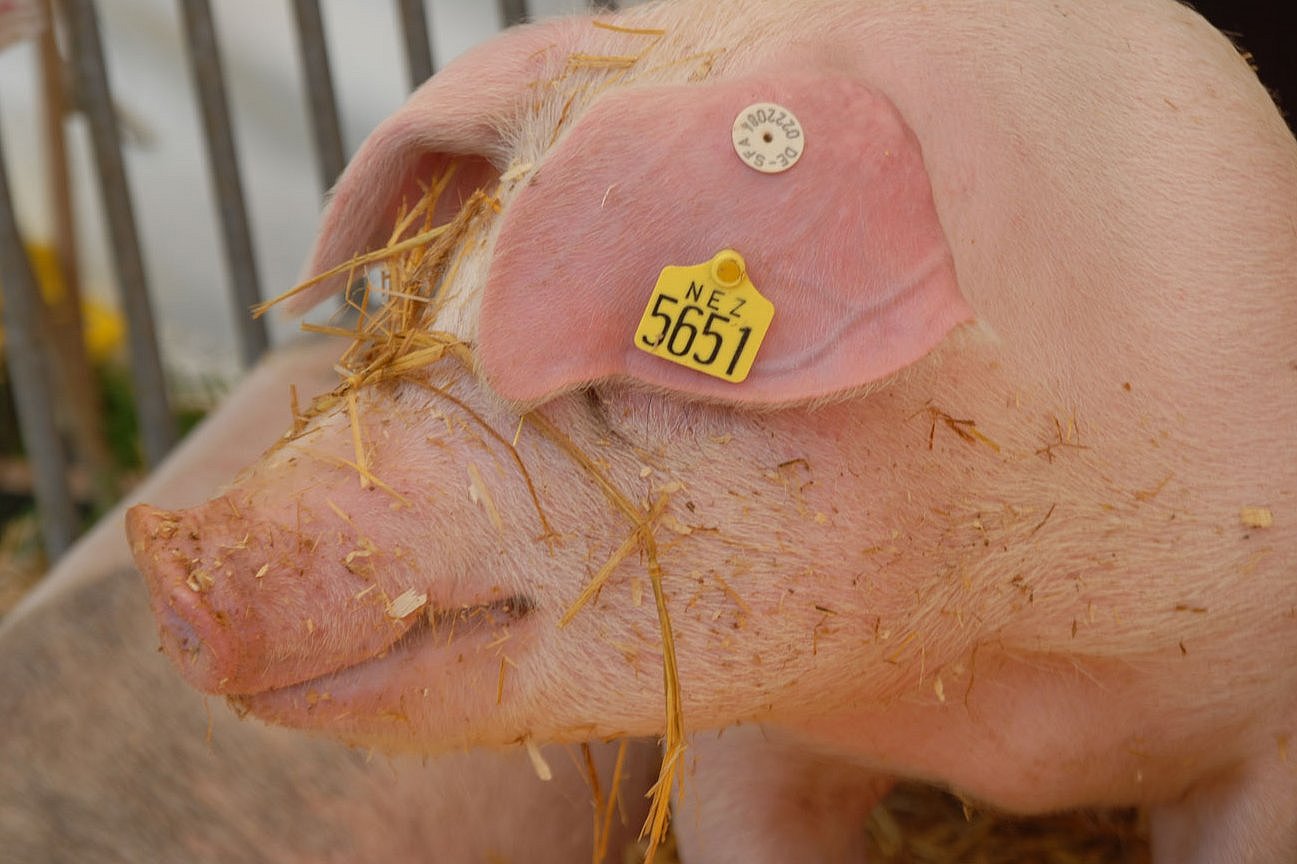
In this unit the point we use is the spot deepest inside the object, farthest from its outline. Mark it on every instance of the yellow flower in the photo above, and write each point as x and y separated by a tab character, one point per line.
105	329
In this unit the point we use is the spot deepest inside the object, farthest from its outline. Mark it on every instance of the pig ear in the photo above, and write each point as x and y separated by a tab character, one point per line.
845	244
459	114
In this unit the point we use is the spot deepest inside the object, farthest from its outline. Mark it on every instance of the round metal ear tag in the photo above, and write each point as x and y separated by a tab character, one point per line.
768	137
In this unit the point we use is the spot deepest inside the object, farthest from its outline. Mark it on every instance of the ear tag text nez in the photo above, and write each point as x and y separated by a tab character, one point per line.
708	317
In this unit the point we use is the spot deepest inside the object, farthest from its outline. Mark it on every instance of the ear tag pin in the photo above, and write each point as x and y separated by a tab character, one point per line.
708	317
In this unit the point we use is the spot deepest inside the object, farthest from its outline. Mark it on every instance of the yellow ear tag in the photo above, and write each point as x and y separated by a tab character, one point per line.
708	317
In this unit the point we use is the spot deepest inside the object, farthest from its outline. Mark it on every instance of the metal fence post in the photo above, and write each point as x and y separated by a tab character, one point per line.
31	379
513	11
223	163
414	34
326	129
157	426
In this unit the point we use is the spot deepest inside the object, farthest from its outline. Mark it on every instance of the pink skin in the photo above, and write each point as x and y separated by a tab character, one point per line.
1060	606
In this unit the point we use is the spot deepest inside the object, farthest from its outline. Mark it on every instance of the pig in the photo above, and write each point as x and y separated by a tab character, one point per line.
109	757
1004	502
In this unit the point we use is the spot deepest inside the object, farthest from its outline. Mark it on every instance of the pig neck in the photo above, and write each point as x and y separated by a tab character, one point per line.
975	494
963	548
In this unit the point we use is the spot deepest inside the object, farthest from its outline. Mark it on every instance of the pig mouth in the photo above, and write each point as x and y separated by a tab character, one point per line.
435	633
444	623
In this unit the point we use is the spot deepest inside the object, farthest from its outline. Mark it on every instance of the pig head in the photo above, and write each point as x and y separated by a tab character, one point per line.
977	502
298	571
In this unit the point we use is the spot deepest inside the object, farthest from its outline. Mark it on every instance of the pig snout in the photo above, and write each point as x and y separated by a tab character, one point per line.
309	593
210	573
187	625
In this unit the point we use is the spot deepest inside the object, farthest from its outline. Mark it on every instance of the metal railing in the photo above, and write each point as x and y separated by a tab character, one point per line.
41	366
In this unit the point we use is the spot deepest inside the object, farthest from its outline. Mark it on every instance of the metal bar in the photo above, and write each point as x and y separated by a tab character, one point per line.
513	11
326	129
83	406
414	32
223	162
52	86
30	377
157	427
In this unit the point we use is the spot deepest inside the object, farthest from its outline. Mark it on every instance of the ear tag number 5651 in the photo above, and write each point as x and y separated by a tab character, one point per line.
708	317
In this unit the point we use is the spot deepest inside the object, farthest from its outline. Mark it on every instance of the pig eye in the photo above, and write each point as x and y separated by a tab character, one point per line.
618	406
636	414
597	406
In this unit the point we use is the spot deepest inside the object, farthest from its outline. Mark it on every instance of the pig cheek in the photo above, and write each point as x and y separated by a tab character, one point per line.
716	544
756	547
606	663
